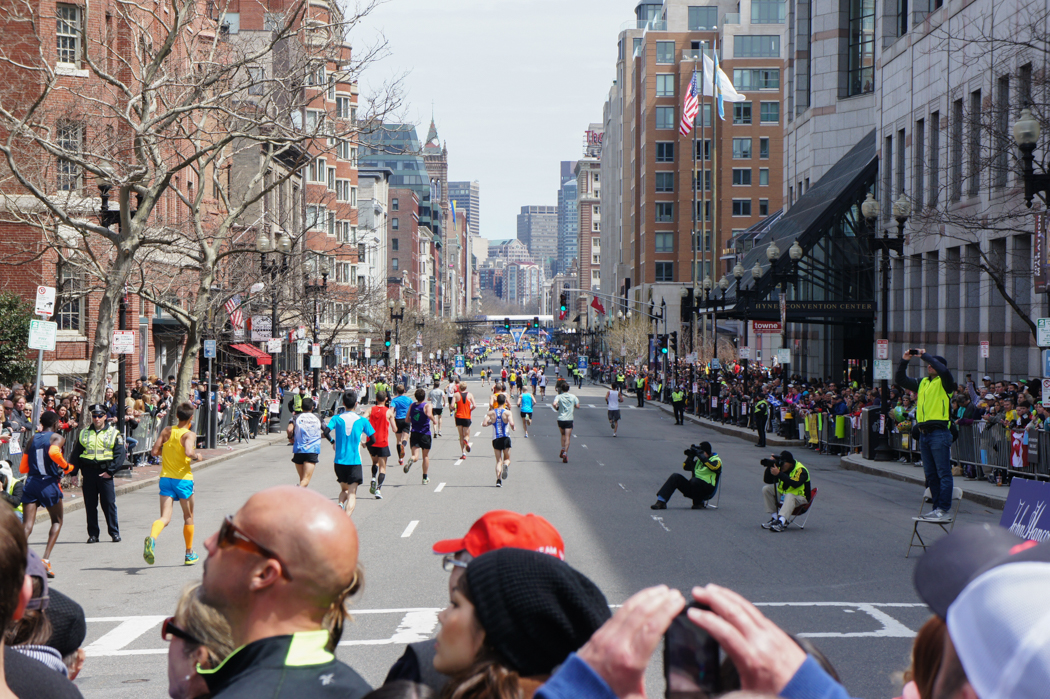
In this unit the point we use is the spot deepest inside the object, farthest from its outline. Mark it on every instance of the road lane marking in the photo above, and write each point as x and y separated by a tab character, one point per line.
409	529
441	486
476	434
621	485
126	631
660	521
457	462
584	446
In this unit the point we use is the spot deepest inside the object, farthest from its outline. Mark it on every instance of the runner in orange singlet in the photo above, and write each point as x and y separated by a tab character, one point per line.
464	405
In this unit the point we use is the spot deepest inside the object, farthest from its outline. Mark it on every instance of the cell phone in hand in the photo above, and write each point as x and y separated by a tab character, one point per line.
691	659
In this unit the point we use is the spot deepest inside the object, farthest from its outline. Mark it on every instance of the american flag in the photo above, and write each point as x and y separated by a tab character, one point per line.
690	108
233	307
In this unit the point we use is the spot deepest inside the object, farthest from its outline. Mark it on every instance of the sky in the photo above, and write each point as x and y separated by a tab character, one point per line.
513	85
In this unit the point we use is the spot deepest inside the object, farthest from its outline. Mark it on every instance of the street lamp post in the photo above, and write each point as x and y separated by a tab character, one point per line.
397	318
315	289
1026	135
795	253
281	245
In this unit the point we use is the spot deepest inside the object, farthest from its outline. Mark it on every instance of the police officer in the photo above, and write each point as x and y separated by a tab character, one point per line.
760	414
706	469
100	453
788	481
621	380
639	389
678	403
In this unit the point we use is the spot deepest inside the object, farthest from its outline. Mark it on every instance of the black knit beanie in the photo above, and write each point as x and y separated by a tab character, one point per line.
534	608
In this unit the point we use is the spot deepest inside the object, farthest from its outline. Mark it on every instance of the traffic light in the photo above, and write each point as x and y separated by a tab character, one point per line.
506	323
674	342
662	342
386	338
564	302
536	322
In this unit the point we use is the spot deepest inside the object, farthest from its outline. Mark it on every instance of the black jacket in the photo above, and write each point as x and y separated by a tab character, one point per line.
284	666
110	467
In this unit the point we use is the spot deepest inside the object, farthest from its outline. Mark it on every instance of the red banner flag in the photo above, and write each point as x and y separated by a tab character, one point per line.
597	305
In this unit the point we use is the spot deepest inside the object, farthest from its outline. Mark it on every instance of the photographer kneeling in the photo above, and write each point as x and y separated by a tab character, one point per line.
706	468
788	480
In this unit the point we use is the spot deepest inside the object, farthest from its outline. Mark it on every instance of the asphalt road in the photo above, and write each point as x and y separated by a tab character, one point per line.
843	581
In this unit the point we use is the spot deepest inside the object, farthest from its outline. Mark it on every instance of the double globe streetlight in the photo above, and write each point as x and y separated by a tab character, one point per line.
281	244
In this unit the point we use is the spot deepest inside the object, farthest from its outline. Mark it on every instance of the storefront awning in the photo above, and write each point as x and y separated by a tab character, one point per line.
253	351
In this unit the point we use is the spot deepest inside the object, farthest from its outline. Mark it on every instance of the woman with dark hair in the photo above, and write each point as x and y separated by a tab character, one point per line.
512	618
925	660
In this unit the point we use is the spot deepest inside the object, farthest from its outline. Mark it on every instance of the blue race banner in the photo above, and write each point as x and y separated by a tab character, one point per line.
1026	512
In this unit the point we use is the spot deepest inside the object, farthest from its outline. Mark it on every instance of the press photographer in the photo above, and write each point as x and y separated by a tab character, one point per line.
706	469
789	484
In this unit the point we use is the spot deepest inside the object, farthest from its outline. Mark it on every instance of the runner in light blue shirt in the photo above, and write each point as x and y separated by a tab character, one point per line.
401	404
349	430
526	403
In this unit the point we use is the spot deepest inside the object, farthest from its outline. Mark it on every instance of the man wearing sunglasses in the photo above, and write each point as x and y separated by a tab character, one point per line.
494	530
281	570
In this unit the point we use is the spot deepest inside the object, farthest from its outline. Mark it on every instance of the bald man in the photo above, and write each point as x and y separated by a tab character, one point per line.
281	571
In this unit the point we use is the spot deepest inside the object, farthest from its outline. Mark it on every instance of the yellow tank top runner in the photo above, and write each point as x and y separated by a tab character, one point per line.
174	462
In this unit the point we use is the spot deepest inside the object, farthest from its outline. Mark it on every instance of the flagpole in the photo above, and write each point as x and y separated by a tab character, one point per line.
698	181
714	184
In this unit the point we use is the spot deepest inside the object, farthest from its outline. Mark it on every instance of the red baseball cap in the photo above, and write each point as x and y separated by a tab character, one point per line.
504	529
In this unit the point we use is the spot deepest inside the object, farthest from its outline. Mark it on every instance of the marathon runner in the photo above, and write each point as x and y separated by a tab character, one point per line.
463	404
526	403
351	430
534	378
401	404
177	449
543	386
437	404
565	405
44	465
613	399
382	419
500	418
420	418
304	434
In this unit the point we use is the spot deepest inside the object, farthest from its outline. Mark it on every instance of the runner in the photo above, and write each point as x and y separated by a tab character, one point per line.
382	420
420	417
521	382
526	403
177	449
513	381
613	399
401	404
500	418
437	404
565	405
351	430
534	378
304	434
543	387
44	471
463	404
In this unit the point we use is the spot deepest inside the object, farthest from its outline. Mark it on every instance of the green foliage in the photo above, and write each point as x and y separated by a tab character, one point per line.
15	364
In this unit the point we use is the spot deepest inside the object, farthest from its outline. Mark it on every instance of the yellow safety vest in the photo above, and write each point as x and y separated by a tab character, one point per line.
933	401
620	378
677	396
796	472
297	402
640	383
380	386
11	491
98	446
705	472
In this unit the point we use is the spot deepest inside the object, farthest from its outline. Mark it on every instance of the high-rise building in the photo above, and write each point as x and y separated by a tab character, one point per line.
568	217
467	196
538	230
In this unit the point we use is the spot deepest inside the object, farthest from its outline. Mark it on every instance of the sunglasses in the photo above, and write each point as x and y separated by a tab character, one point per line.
231	536
449	561
169	629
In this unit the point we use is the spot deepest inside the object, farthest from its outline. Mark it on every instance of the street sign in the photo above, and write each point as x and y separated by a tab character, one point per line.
316	351
763	327
315	361
784	356
1046	363
209	349
419	339
623	350
42	334
419	357
461	364
123	342
397	351
302	346
273	345
581	363
883	370
45	301
715	364
431	355
368	342
1046	392
262	328
368	352
745	353
985	349
1042	332
882	349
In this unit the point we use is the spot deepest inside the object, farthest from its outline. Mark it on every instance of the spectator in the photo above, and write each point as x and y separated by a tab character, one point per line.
198	637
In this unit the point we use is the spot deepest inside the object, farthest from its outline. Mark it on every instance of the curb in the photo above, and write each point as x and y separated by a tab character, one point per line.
848	464
67	507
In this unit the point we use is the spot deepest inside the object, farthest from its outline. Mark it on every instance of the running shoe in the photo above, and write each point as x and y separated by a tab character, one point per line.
47	566
564	458
379	494
506	468
778	526
770	523
192	557
468	447
148	549
462	456
408	466
372	487
426	480
526	435
499	483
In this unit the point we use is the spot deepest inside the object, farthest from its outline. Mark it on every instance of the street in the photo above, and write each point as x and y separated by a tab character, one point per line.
843	581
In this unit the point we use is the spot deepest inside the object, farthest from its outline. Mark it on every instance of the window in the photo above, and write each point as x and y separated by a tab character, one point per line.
70	299
256	80
756	46
664	212
664	272
596	226
741	207
860	49
636	44
706	154
596	243
665	118
665	52
315	76
393	263
353	196
393	243
330	178
362	253
664	181
664	241
1024	85
918	152
395	204
318	170
763	207
770	113
70	136
742	113
596	210
67	34
901	24
767	11
741	148
935	157
707	210
974	144
273	21
342	107
664	152
342	190
763	148
395	224
314	120
703	18
665	86
901	163
707	116
751	79
331	224
315	216
707	180
741	176
956	152
1003	140
763	177
887	176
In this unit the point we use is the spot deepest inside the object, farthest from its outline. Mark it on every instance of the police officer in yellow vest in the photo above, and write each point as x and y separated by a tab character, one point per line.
759	415
933	421
706	469
639	388
11	488
789	483
621	381
678	403
99	452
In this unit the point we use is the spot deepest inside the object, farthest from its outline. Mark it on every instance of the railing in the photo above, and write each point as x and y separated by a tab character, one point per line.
653	25
731	18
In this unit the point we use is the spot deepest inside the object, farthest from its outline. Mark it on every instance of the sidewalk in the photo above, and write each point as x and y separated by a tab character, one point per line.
980	492
143	476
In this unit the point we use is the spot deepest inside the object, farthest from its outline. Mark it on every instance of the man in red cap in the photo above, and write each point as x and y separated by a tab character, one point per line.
494	530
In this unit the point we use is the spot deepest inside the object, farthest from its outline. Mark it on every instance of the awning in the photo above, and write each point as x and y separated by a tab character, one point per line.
253	351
